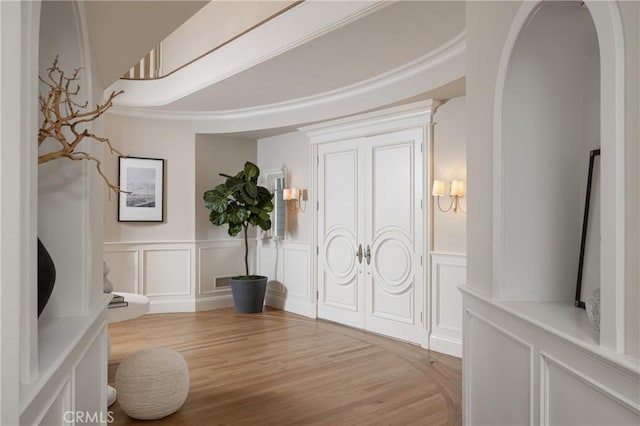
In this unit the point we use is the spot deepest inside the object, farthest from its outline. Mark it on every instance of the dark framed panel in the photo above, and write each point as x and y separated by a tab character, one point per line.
585	228
142	182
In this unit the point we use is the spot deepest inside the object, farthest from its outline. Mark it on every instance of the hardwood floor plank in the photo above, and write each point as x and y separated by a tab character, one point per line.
277	368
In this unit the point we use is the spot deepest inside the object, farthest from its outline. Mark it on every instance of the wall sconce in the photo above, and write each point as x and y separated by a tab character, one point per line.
294	194
456	191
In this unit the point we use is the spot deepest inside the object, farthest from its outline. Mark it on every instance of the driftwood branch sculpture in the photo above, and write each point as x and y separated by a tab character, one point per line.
64	119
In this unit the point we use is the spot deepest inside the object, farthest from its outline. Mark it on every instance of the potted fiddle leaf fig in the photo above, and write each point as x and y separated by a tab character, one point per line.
240	203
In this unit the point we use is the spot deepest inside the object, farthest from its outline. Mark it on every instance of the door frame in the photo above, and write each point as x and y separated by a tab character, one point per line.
418	114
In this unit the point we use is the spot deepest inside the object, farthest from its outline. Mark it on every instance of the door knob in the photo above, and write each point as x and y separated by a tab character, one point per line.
367	254
359	253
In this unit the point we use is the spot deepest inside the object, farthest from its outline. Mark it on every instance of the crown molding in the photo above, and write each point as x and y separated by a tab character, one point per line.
436	68
402	116
287	31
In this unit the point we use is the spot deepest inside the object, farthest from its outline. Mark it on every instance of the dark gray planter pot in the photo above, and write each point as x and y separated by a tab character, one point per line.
248	294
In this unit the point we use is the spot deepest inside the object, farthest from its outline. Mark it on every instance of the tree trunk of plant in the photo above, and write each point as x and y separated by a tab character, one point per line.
246	250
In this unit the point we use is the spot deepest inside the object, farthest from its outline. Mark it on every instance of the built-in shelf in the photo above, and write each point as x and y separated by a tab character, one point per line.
57	339
562	320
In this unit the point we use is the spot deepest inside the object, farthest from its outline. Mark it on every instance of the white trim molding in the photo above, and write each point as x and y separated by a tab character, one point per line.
170	290
568	383
287	265
183	276
448	272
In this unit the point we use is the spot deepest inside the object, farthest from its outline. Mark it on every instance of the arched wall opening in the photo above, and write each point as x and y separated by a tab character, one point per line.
550	122
546	115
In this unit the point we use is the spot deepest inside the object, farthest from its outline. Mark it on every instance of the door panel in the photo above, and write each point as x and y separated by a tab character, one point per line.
340	284
369	193
393	228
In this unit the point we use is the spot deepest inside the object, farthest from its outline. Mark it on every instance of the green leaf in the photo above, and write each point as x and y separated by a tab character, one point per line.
217	198
237	214
251	171
265	224
217	218
247	199
235	185
234	230
251	189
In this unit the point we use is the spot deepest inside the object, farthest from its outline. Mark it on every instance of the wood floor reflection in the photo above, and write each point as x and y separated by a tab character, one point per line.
277	368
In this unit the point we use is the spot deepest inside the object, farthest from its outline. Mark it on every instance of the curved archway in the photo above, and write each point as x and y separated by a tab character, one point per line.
545	111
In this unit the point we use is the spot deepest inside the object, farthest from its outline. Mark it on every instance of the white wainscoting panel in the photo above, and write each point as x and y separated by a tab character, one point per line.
162	270
448	272
123	269
287	264
489	350
167	272
566	381
219	259
569	397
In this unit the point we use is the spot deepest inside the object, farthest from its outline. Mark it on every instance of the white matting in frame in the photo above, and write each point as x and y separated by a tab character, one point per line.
142	180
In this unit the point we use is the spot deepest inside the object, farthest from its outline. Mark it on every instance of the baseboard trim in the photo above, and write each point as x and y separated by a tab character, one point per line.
164	306
445	346
290	305
214	302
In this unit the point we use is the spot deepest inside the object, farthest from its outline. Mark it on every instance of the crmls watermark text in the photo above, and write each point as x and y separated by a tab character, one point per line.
93	417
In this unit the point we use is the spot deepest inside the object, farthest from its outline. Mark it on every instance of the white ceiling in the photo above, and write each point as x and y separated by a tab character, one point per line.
370	46
122	32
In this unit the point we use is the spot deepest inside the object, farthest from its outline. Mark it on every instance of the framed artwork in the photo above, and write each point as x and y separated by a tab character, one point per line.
142	180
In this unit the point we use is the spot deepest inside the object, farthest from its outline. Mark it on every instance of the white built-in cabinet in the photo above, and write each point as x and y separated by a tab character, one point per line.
529	355
371	221
53	369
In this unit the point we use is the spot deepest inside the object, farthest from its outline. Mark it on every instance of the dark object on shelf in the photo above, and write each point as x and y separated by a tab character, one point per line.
116	298
248	293
120	304
46	276
578	303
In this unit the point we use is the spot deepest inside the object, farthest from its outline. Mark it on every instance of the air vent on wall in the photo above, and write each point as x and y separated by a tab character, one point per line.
222	282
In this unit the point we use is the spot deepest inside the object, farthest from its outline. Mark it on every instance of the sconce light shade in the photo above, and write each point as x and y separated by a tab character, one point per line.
457	188
456	191
438	188
295	193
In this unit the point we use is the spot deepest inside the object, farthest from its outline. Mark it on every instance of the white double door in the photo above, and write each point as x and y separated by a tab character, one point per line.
370	233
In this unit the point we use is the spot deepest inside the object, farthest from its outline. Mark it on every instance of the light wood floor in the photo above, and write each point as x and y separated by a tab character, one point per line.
277	368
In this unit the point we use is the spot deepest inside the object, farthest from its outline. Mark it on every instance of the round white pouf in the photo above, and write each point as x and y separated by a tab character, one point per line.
152	383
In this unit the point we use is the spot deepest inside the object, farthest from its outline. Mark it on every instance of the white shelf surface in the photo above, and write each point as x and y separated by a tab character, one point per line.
138	305
563	320
57	338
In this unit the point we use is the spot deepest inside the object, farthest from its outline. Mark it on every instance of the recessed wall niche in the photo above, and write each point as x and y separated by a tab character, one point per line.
550	123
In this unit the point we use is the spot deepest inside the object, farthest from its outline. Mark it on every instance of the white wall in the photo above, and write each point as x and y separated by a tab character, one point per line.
450	162
631	24
217	154
292	151
287	263
175	263
546	138
172	141
67	223
154	259
484	48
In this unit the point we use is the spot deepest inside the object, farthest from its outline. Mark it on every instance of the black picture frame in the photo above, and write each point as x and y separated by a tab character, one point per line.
142	181
585	225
